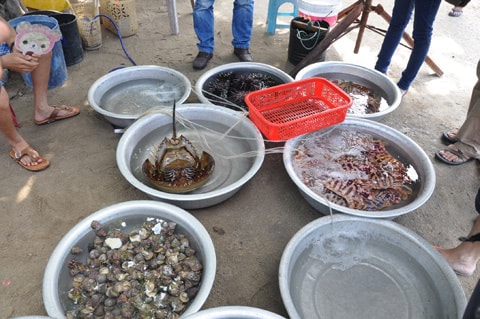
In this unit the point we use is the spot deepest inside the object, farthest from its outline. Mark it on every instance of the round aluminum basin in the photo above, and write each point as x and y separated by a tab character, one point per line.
238	67
234	312
378	82
343	267
234	142
57	280
399	145
123	95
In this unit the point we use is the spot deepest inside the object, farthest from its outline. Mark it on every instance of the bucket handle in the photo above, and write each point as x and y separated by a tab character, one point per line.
301	37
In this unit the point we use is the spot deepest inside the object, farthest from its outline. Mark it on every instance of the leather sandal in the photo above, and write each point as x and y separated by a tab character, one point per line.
30	152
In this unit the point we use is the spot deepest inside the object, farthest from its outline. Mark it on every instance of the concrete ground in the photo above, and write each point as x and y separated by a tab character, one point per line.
37	209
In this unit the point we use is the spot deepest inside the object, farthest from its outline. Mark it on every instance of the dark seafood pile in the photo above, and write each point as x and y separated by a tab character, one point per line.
150	273
233	86
365	99
176	166
353	170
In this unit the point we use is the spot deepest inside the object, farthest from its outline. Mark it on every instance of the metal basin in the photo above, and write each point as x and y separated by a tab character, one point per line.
399	145
350	267
240	68
378	82
123	95
57	280
233	140
234	312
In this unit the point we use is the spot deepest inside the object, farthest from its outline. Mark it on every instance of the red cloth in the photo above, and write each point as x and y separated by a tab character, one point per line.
17	124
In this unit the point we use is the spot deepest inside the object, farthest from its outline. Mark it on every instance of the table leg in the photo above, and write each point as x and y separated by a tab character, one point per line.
362	25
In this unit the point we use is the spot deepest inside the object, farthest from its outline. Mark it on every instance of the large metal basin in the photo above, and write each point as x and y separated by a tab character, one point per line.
57	280
232	139
351	267
123	95
238	67
378	82
398	144
234	312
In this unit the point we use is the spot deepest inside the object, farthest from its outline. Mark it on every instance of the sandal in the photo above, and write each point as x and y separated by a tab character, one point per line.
450	134
461	158
70	111
30	152
455	12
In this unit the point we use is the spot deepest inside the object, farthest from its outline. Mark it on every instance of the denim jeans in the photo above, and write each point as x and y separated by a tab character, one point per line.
424	16
203	24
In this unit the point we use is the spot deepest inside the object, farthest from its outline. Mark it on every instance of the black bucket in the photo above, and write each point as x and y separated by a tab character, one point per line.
71	41
304	37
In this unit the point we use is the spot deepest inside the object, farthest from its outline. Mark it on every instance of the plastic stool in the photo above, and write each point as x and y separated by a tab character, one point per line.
273	6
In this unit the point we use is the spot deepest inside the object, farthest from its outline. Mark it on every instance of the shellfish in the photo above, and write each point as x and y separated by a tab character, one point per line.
177	167
354	170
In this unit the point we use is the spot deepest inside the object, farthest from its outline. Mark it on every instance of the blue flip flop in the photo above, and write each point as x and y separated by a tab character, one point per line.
455	12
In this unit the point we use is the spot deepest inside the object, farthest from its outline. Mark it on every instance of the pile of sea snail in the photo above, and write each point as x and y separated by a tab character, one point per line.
150	273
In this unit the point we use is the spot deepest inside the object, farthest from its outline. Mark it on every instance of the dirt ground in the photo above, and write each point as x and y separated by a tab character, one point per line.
38	209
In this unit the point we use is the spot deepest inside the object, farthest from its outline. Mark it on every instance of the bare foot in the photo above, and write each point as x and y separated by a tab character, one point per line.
455	156
29	159
25	160
461	261
451	134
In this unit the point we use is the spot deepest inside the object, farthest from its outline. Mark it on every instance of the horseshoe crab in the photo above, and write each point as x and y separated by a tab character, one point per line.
177	166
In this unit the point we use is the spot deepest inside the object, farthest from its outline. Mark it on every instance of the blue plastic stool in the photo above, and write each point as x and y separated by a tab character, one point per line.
273	6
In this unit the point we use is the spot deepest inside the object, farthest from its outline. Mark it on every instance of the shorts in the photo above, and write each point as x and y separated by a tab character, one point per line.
4	49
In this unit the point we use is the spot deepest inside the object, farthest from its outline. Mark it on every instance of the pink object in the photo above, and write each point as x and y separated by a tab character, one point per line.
35	38
332	20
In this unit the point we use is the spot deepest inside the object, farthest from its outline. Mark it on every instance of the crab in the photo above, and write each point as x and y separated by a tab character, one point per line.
177	166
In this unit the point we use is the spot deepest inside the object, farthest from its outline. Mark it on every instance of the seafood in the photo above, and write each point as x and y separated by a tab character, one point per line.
353	170
177	167
232	87
155	275
365	100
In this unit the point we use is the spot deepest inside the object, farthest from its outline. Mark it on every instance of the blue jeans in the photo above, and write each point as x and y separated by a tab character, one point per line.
424	16
203	24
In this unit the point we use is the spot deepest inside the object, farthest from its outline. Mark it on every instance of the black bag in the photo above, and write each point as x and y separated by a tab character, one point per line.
458	3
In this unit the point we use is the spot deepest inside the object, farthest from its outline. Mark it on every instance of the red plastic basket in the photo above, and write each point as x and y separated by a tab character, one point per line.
284	111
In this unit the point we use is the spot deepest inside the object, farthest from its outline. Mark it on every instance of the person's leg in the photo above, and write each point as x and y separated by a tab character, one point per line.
40	77
424	16
471	311
463	258
468	134
402	11
16	141
203	24
242	23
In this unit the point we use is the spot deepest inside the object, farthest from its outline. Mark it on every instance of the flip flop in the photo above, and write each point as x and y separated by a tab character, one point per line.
72	111
30	152
461	158
455	12
448	135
